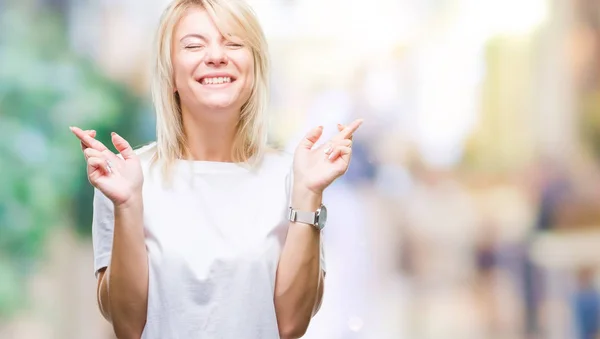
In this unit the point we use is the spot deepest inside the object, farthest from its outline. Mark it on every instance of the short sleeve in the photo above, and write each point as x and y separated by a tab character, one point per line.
289	188
103	221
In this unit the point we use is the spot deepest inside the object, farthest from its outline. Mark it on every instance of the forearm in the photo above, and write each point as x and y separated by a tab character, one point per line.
298	287
124	290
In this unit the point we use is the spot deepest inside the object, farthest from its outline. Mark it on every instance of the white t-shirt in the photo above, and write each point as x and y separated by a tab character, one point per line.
213	241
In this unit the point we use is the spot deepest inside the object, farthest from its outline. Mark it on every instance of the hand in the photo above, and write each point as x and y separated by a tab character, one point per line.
316	168
119	178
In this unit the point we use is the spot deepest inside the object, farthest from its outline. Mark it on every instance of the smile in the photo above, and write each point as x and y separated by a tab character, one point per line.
216	80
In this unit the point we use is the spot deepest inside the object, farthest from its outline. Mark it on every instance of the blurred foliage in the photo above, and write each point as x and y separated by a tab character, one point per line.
44	88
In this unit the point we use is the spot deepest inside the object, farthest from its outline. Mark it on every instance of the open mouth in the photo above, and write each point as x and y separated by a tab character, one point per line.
216	80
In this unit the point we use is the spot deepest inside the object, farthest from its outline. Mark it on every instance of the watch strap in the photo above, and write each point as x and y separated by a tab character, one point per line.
303	216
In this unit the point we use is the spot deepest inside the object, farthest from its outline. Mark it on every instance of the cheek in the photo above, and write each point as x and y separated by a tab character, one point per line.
251	77
183	70
248	66
249	82
244	62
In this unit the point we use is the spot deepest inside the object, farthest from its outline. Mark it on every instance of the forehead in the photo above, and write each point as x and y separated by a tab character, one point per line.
196	20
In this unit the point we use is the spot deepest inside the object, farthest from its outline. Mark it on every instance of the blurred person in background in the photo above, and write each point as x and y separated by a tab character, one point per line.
554	188
586	305
207	232
486	265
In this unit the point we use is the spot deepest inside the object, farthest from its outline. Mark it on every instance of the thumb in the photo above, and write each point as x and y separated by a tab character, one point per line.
312	137
122	146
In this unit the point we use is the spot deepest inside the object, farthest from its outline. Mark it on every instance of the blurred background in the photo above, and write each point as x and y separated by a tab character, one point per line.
472	206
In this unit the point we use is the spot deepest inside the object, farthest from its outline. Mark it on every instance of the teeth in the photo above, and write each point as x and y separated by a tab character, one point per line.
216	80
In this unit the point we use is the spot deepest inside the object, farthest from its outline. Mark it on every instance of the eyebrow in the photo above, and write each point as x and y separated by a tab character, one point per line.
199	36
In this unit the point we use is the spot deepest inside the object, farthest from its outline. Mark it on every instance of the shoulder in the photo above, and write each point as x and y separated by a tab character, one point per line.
276	159
146	152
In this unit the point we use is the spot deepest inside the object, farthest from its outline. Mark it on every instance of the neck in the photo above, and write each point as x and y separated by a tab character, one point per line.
209	139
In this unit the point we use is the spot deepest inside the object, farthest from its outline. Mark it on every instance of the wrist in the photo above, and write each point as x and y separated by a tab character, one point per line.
134	201
305	199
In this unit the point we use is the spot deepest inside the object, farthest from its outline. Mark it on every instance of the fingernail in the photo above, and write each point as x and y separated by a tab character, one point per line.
71	128
330	156
113	134
327	150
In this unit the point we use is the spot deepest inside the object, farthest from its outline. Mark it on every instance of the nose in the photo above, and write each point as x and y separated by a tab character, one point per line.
216	56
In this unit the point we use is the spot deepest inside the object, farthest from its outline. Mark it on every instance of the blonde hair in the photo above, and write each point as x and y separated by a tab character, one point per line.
231	17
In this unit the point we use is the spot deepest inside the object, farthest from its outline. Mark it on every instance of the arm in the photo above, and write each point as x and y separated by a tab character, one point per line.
118	232
299	281
123	286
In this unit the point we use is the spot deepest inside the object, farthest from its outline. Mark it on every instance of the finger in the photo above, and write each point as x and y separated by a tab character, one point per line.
349	130
312	137
122	146
341	128
345	143
87	140
339	151
331	146
90	152
345	151
100	163
110	159
91	133
334	154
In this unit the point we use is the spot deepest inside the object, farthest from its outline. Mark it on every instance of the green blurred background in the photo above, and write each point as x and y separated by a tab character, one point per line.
45	88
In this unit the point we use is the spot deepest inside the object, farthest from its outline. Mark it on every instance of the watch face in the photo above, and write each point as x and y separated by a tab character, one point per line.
322	217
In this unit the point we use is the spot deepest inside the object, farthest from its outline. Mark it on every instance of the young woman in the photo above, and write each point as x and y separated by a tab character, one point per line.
207	233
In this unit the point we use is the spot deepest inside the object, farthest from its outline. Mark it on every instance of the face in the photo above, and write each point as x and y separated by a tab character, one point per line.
213	73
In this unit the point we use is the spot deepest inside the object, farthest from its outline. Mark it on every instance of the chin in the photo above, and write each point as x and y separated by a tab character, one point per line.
220	111
217	100
220	105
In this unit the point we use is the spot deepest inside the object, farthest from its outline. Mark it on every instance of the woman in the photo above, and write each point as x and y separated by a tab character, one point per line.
206	233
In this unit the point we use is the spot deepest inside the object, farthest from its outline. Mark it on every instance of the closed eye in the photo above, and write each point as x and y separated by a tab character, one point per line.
193	46
235	45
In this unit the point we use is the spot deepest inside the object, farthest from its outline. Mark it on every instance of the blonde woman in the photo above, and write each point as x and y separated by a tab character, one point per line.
206	233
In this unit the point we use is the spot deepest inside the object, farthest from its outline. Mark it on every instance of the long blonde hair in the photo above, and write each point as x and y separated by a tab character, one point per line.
230	16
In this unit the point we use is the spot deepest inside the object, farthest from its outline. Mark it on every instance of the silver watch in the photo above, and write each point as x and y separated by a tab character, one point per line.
317	219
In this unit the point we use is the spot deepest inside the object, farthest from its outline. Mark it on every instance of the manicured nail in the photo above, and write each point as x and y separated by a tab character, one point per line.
330	156
327	150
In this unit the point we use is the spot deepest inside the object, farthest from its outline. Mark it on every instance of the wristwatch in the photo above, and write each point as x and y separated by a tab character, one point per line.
316	219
